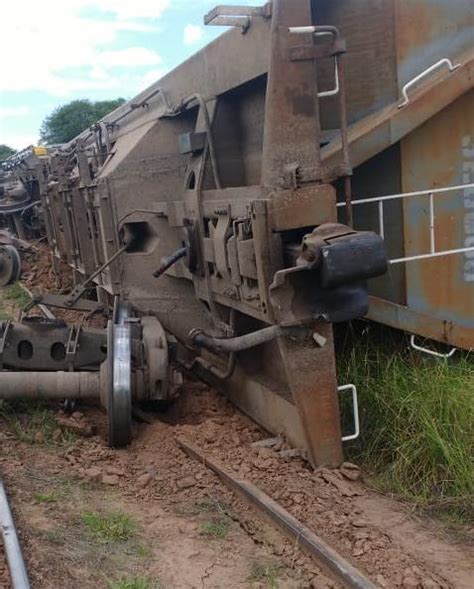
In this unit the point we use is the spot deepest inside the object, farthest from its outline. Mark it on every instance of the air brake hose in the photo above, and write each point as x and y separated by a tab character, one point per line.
169	261
242	342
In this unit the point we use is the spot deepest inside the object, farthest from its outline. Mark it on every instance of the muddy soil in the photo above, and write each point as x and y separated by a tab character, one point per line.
189	529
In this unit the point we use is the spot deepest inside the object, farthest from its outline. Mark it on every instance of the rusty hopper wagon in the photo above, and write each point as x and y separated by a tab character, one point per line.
238	207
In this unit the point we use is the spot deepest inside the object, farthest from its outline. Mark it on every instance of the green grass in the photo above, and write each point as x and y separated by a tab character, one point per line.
109	527
16	295
266	573
133	583
217	528
417	422
51	497
33	423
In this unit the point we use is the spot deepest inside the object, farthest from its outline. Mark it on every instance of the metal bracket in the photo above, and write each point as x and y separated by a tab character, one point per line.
236	16
355	409
336	47
422	75
4	329
418	348
71	346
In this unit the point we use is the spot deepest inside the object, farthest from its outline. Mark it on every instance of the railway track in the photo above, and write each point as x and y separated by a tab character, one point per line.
203	450
11	545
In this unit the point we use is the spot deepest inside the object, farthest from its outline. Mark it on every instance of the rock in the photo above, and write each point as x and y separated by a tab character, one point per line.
77	415
359	523
343	487
186	482
358	551
81	429
235	439
115	470
144	480
93	473
39	437
410	582
380	580
429	584
350	471
110	479
265	453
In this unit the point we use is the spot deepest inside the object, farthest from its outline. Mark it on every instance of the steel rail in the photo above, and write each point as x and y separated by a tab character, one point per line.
11	543
323	554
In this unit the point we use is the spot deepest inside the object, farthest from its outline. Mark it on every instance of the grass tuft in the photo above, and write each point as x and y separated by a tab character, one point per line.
33	423
133	583
109	527
266	572
16	295
417	422
216	528
46	497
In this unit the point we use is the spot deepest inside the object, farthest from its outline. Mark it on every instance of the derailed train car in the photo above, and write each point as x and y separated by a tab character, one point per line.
237	208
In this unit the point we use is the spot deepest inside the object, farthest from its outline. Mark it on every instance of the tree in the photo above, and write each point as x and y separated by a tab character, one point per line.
68	120
5	152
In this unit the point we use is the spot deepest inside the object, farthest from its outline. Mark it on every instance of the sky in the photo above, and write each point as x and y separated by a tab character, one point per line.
55	51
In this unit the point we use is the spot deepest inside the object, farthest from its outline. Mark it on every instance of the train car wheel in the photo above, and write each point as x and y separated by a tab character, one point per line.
119	385
10	265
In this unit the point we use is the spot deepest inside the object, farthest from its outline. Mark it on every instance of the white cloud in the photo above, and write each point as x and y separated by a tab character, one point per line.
130	9
192	34
131	57
56	45
7	112
18	140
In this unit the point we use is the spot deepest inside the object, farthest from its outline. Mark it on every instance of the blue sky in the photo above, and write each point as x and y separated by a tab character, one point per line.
54	51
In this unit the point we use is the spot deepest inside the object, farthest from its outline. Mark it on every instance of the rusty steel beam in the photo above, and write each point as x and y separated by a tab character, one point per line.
311	373
291	138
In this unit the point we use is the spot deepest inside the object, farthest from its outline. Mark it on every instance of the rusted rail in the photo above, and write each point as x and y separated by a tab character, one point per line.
322	553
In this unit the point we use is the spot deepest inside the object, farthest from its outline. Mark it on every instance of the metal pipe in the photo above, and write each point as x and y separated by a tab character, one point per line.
16	564
80	289
242	342
169	261
214	370
49	385
344	140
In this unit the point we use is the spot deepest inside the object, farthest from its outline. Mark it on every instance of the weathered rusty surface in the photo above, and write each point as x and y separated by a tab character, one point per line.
311	373
303	207
291	107
441	153
406	319
428	30
386	127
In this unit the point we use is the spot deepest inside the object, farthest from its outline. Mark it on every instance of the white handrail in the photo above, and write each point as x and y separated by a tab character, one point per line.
424	73
431	193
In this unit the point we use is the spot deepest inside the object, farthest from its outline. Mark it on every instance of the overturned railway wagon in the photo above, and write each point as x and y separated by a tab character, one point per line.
237	208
